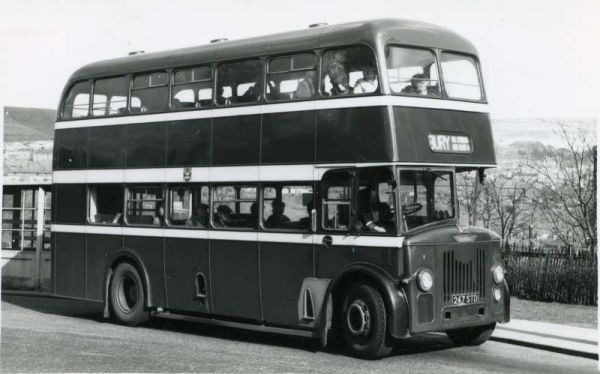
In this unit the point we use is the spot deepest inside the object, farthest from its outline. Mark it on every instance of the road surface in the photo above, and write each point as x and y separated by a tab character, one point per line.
41	334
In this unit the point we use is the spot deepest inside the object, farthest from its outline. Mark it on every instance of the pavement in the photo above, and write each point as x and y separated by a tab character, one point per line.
550	336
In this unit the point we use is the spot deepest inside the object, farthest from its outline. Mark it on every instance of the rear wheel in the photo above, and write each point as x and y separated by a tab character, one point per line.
127	298
471	335
362	322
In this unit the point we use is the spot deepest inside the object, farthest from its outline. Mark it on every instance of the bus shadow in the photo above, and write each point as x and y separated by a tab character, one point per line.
415	345
93	311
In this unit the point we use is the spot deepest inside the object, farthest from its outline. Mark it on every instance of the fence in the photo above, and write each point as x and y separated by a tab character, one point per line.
555	276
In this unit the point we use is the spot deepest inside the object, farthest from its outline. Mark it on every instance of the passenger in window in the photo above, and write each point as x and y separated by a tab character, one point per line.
338	77
306	87
159	216
250	95
253	215
419	85
200	217
223	216
305	222
368	83
277	219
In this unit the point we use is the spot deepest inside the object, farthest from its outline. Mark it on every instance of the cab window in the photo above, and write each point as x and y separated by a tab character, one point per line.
337	201
376	201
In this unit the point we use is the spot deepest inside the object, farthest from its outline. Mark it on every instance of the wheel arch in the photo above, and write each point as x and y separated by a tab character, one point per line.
394	298
131	257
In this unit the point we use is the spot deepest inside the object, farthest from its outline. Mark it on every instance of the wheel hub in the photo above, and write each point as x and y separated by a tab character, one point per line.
358	318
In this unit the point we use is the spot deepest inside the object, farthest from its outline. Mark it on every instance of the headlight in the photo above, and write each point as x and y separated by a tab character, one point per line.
425	280
498	272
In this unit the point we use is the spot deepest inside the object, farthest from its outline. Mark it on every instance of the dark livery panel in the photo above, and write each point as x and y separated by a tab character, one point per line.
324	136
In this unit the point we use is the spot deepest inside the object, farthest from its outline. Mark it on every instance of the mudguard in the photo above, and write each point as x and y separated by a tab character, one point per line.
394	298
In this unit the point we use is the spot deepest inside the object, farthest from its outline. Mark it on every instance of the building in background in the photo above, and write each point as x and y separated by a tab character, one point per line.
26	191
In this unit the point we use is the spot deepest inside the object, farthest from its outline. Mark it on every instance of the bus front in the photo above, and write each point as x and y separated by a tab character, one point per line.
451	274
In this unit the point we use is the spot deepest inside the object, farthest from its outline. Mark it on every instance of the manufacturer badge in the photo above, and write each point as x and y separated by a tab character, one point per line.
187	174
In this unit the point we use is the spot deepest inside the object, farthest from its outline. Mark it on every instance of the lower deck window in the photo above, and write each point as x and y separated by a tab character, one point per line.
235	207
145	205
189	206
287	207
106	204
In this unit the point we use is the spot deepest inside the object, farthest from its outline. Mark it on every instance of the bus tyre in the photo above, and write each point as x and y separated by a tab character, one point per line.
471	335
362	322
127	296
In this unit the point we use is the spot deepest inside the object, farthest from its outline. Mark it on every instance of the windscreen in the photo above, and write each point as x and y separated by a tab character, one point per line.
426	196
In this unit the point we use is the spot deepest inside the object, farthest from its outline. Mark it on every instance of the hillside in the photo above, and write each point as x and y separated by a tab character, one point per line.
28	124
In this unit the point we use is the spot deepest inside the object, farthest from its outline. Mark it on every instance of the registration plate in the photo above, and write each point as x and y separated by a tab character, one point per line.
465	299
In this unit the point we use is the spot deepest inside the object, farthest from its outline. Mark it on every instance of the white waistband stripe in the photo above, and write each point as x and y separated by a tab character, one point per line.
349	102
250	236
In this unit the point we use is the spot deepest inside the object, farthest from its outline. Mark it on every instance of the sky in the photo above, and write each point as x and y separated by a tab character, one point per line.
539	58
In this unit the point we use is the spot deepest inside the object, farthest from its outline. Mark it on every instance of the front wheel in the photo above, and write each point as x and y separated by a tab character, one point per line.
471	335
363	322
127	296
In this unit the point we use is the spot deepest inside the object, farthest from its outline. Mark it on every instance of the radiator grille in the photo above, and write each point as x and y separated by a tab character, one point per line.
464	275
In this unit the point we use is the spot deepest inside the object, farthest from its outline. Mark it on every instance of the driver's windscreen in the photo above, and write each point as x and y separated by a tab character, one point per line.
426	196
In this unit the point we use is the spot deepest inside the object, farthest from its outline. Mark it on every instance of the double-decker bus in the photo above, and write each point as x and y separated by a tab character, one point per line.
300	183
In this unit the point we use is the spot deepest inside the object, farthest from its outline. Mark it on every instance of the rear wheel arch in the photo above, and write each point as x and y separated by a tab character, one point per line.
128	256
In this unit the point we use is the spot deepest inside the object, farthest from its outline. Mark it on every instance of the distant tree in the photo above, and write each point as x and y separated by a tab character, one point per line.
506	205
566	182
469	192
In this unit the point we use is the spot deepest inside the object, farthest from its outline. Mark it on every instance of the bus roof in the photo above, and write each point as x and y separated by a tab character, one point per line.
374	33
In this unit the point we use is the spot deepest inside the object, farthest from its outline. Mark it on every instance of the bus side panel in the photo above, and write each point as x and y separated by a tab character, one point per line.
99	249
184	260
354	135
189	142
234	277
150	250
69	253
283	267
288	138
331	261
236	140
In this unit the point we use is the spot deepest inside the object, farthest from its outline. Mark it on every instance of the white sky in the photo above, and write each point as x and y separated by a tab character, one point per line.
540	58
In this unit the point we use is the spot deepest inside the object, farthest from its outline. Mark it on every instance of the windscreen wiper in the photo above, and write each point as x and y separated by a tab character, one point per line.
428	170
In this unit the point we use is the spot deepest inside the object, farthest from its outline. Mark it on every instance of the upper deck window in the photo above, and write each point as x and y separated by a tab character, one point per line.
77	103
192	88
460	76
292	77
412	71
150	93
110	96
239	82
348	71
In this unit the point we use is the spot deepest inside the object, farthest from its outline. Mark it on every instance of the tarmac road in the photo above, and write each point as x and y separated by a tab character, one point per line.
42	334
